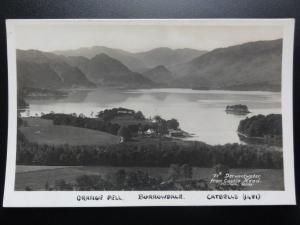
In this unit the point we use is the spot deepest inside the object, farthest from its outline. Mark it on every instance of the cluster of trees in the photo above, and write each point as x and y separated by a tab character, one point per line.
179	178
160	153
84	122
120	180
260	125
238	108
103	122
162	126
177	172
96	124
123	180
110	114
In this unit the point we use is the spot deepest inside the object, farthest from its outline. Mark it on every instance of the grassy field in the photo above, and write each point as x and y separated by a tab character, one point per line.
36	177
44	132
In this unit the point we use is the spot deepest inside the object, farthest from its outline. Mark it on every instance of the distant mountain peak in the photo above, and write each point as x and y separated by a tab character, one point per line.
159	74
108	63
37	69
127	58
166	49
167	56
103	56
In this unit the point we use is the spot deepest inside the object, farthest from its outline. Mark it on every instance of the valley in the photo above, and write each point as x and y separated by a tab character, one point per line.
250	66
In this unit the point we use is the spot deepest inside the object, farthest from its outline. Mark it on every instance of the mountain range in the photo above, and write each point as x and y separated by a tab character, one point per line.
160	74
127	58
105	70
248	66
138	62
44	70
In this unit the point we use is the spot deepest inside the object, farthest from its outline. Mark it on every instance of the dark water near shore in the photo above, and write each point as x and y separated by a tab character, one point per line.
200	112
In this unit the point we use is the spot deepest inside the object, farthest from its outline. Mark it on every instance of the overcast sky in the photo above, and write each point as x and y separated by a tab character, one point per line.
135	37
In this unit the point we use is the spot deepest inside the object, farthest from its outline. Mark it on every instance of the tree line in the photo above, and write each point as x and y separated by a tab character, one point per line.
110	114
156	154
178	178
83	122
260	125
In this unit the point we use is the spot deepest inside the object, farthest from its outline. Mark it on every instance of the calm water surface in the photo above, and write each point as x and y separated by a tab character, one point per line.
198	112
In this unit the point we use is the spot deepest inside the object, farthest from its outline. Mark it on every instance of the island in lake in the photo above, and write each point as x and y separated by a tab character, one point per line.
237	109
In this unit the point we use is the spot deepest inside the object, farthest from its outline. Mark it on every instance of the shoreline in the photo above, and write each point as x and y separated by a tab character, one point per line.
200	91
160	88
248	137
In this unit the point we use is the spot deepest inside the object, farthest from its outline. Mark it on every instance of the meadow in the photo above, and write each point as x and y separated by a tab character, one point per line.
43	131
36	177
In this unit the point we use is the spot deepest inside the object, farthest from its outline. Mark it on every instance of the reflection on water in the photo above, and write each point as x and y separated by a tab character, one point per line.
201	112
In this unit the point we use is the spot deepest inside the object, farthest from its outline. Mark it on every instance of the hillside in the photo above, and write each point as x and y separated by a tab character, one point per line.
43	131
260	125
250	66
43	70
127	58
168	57
36	69
159	74
138	62
105	70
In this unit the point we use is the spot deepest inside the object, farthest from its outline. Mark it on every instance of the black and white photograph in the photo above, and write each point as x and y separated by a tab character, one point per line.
163	109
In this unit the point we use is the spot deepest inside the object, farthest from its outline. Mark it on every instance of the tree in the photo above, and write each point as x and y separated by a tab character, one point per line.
48	187
162	127
173	124
19	122
113	128
187	171
222	170
144	128
174	172
81	115
117	179
133	128
124	132
27	188
87	182
63	185
157	118
139	115
260	125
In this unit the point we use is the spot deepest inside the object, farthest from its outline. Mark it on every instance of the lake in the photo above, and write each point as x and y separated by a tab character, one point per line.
199	112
